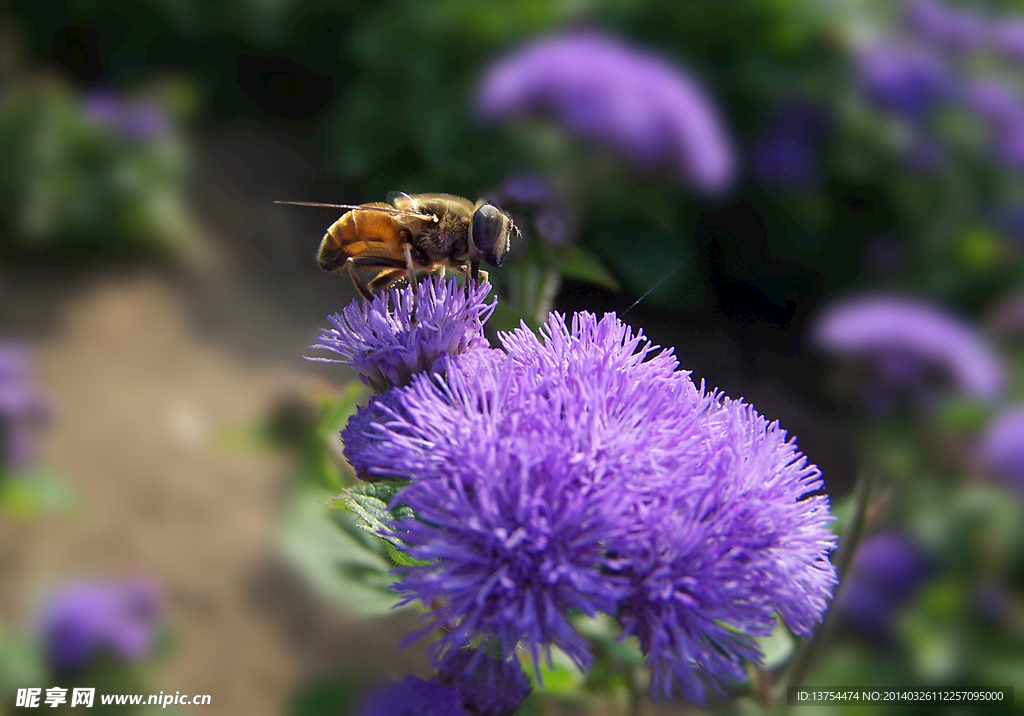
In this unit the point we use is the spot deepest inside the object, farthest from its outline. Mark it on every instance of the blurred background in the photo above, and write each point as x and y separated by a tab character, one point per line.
818	204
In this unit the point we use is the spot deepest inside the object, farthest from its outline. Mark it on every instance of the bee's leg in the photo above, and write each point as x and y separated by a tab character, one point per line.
361	287
411	268
370	262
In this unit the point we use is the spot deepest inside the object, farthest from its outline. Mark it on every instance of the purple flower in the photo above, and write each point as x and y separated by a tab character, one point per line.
903	337
886	572
488	686
379	339
414	697
905	79
591	475
735	537
946	26
786	153
22	409
88	619
610	92
1002	446
1008	36
538	209
137	121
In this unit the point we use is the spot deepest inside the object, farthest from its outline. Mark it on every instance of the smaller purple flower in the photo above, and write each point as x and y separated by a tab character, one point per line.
1007	35
22	410
90	619
786	153
946	26
905	79
136	121
904	337
527	190
414	697
538	209
887	571
604	90
379	339
488	686
1002	446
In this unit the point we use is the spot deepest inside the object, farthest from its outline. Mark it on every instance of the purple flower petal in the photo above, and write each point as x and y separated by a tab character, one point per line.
379	339
91	618
607	91
1002	446
892	330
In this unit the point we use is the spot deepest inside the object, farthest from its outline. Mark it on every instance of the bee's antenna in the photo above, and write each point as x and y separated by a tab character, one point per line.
651	290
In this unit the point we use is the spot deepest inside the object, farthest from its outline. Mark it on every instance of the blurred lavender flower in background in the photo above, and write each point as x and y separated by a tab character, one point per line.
22	409
904	338
946	26
89	619
906	79
787	152
604	90
886	572
414	697
488	686
132	120
379	339
590	474
1002	108
1002	446
537	209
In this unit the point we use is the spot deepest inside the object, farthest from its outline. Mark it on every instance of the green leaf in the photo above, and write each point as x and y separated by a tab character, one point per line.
336	558
369	502
579	264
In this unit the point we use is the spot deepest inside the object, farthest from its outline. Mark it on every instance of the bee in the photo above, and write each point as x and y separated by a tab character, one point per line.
386	242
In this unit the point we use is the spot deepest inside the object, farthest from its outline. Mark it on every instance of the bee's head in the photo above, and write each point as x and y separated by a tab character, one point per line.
490	233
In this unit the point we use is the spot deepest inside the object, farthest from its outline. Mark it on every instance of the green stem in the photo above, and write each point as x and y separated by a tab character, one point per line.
844	557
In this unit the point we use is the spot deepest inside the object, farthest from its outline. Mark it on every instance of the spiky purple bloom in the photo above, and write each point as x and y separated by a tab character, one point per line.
379	339
22	408
886	572
1002	446
488	686
89	619
593	475
904	337
414	697
905	79
604	90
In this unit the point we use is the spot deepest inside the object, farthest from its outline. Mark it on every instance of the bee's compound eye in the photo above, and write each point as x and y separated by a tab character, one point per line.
487	226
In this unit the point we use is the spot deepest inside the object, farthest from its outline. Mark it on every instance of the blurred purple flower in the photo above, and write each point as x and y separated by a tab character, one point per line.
608	91
886	572
590	474
537	208
946	26
1002	446
1003	109
786	153
89	619
904	337
488	686
414	697
905	79
379	340
1007	35
137	121
22	409
527	189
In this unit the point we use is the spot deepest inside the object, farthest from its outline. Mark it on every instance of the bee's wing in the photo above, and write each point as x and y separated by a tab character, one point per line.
375	206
